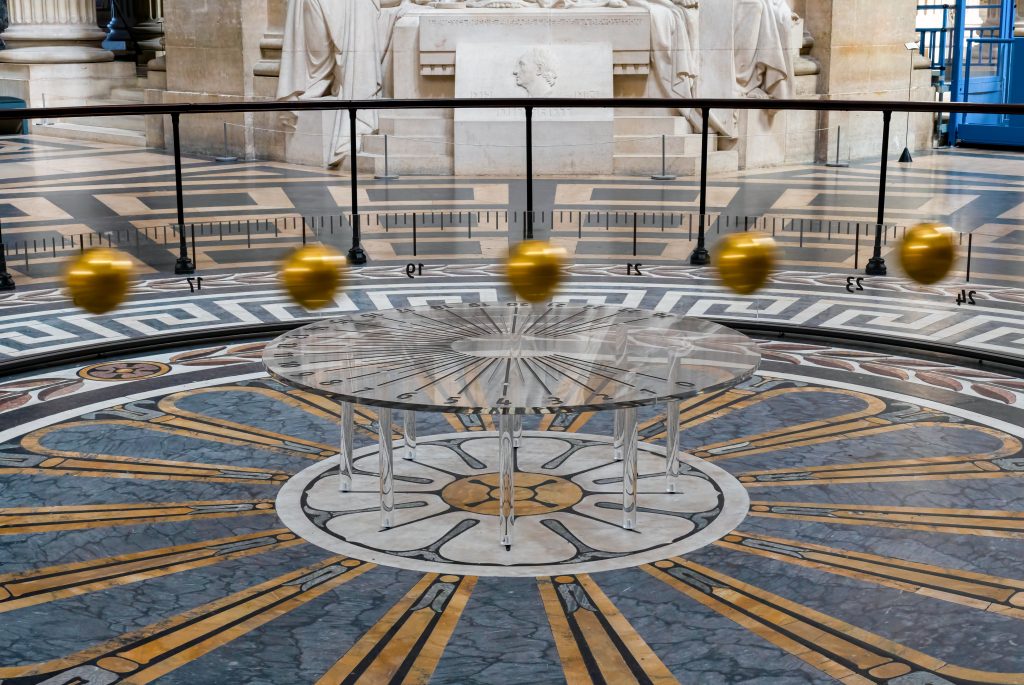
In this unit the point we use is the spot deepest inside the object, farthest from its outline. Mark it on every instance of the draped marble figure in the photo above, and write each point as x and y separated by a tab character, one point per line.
342	49
675	62
338	49
764	67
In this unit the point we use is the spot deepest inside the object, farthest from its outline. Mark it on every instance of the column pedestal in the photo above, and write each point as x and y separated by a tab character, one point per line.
53	55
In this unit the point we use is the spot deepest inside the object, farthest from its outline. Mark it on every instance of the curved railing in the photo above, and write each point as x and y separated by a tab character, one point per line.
828	273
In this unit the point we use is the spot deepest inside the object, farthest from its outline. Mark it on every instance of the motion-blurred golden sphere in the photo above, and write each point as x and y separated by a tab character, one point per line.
99	279
745	261
535	269
313	274
928	252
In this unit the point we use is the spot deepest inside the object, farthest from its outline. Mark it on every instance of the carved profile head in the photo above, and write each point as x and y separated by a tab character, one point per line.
536	72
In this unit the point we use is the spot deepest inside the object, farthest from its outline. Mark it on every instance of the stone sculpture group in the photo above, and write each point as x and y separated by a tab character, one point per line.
342	49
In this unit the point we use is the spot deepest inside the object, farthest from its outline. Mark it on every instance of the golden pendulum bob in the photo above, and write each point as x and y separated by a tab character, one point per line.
535	269
744	261
99	279
312	275
928	252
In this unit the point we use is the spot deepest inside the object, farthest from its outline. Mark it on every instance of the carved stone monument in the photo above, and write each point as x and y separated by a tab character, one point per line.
491	142
539	48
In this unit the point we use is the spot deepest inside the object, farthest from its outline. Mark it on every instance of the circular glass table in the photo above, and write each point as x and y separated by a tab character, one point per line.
509	360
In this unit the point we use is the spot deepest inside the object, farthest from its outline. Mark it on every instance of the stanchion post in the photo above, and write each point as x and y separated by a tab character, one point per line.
876	265
227	156
700	256
529	173
387	175
6	280
356	254
183	265
664	175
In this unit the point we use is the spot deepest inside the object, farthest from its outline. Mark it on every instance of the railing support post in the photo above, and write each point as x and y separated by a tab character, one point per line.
956	87
700	255
356	254
183	265
529	173
876	265
6	280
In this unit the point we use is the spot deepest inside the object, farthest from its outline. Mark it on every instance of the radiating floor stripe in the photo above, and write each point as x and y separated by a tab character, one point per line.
144	656
406	644
185	428
987	523
596	643
847	653
23	520
41	585
111	466
978	590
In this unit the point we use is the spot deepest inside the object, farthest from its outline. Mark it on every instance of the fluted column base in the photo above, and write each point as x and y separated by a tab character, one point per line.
54	32
56	54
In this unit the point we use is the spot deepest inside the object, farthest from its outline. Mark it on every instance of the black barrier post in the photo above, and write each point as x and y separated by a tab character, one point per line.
6	280
876	265
183	265
634	234
700	256
356	254
529	173
970	251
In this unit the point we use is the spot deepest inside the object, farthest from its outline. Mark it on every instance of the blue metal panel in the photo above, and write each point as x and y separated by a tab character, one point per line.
1002	131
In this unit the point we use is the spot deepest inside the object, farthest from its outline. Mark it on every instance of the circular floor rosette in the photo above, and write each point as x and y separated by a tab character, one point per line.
568	507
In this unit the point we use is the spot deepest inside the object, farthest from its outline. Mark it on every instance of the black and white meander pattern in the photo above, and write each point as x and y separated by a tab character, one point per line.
568	506
43	321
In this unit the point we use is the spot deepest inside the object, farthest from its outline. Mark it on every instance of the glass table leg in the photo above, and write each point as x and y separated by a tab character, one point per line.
629	467
409	423
345	465
517	430
617	436
672	464
506	480
387	468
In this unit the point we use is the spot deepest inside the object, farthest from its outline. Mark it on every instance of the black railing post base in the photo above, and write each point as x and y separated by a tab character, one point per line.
700	257
876	267
184	265
357	255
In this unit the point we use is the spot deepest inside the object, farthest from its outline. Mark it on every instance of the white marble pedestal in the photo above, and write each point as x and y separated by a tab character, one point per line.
491	142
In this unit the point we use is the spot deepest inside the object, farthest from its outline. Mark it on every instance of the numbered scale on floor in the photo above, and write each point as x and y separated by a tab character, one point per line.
510	360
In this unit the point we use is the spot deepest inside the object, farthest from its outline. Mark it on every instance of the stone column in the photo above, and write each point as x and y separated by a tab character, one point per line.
150	29
54	57
54	32
1019	27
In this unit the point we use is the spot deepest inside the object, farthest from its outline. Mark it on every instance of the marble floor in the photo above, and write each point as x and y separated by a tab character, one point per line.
58	196
879	539
159	512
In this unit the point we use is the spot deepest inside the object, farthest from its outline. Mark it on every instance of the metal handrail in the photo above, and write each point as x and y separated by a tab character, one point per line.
876	265
498	103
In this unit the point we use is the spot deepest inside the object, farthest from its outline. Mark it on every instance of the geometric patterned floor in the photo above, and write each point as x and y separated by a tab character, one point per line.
140	540
55	192
140	530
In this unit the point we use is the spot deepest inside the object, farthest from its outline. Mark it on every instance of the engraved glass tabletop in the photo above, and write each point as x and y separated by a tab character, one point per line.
509	360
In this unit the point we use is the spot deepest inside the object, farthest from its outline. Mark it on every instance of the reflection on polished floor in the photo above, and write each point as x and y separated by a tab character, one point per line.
57	190
873	494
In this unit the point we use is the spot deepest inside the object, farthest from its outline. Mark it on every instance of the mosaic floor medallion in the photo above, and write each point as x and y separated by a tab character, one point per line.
568	507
